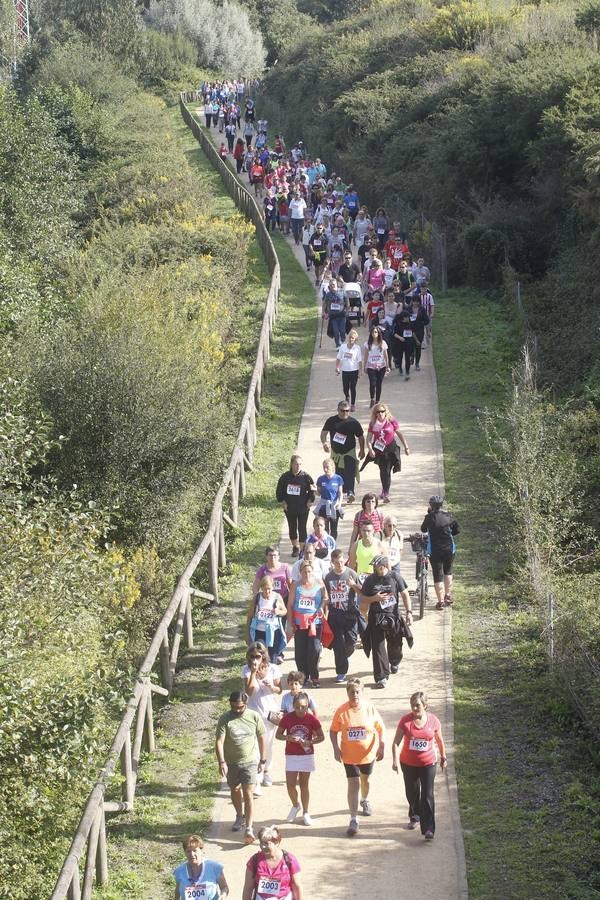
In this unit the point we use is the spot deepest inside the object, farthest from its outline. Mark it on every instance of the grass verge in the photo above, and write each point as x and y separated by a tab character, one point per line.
527	789
178	783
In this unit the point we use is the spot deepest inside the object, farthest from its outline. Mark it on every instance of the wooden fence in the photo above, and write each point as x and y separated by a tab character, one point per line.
136	730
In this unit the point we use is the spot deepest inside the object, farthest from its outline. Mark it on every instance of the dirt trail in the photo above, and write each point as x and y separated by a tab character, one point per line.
385	860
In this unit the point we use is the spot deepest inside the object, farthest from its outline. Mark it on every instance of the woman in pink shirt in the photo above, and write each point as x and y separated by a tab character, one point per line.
382	447
417	732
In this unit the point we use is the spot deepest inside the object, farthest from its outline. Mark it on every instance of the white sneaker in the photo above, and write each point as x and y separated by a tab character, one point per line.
267	780
307	819
257	790
294	811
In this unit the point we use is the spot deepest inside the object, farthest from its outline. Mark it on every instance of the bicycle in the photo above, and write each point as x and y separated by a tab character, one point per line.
419	544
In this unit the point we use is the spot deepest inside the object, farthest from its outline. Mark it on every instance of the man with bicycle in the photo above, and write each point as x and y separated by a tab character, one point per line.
441	526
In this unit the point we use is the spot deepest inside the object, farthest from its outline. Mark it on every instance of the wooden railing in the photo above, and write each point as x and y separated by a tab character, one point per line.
136	729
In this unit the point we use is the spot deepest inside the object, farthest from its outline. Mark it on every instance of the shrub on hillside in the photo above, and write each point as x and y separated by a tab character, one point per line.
223	33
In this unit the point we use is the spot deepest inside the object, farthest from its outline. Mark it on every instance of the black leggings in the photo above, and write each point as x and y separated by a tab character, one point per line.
307	652
296	519
418	784
417	353
349	381
386	461
376	377
404	351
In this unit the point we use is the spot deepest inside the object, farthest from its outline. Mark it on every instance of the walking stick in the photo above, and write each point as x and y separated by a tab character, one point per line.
322	322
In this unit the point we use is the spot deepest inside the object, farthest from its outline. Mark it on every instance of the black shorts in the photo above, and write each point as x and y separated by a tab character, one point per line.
441	564
355	771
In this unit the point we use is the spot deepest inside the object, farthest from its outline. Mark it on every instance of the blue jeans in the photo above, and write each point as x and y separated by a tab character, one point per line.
297	226
338	326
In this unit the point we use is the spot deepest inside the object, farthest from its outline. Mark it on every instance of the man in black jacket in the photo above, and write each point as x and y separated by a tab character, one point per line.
441	526
383	591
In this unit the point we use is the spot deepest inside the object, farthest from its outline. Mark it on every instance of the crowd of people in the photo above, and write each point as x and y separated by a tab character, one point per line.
347	599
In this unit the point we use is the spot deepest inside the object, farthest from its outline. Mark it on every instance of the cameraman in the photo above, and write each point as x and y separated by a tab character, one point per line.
441	526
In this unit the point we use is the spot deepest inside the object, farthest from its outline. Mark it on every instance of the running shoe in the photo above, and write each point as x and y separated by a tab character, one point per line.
340	679
393	669
352	407
429	835
448	600
371	404
249	836
386	497
439	604
352	827
294	811
307	819
267	780
418	367
351	497
295	551
413	822
316	683
366	808
239	823
407	378
381	683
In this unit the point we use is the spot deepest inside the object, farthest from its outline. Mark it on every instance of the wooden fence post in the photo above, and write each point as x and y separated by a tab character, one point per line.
222	550
188	625
75	886
235	493
149	729
165	663
242	477
90	858
128	786
102	854
213	568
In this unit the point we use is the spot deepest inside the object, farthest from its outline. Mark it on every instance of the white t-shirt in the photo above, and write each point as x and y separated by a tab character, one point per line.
375	357
297	208
349	357
320	568
264	700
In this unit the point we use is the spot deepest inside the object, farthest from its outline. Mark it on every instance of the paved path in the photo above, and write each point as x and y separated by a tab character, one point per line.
385	860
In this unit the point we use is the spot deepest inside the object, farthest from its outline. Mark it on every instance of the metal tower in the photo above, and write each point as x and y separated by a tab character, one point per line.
16	37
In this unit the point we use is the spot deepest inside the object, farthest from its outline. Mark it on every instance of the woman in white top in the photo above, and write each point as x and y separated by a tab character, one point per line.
376	363
391	541
348	362
262	683
297	210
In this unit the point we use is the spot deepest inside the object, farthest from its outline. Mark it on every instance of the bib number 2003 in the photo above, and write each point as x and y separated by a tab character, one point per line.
268	887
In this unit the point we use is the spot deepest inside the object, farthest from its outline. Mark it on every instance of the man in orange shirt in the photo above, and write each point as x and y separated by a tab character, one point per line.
357	734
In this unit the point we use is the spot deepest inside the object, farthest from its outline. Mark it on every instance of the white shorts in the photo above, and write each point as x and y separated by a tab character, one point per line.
300	763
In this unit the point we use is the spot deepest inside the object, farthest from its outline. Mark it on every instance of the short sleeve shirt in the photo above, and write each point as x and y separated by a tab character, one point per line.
341	595
281	576
273	883
204	887
361	731
305	728
343	433
418	747
287	702
240	734
329	486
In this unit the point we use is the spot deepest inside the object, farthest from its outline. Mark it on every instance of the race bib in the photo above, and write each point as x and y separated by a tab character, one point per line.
381	231
357	734
293	490
406	333
392	553
413	318
269	886
305	603
339	599
347	356
196	892
385	604
397	254
419	745
339	438
379	444
265	614
336	307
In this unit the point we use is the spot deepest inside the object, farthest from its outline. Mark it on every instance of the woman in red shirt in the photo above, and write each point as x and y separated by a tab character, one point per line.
417	731
382	432
368	513
301	731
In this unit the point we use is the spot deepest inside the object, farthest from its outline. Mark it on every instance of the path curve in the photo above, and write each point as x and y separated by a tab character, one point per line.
385	861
